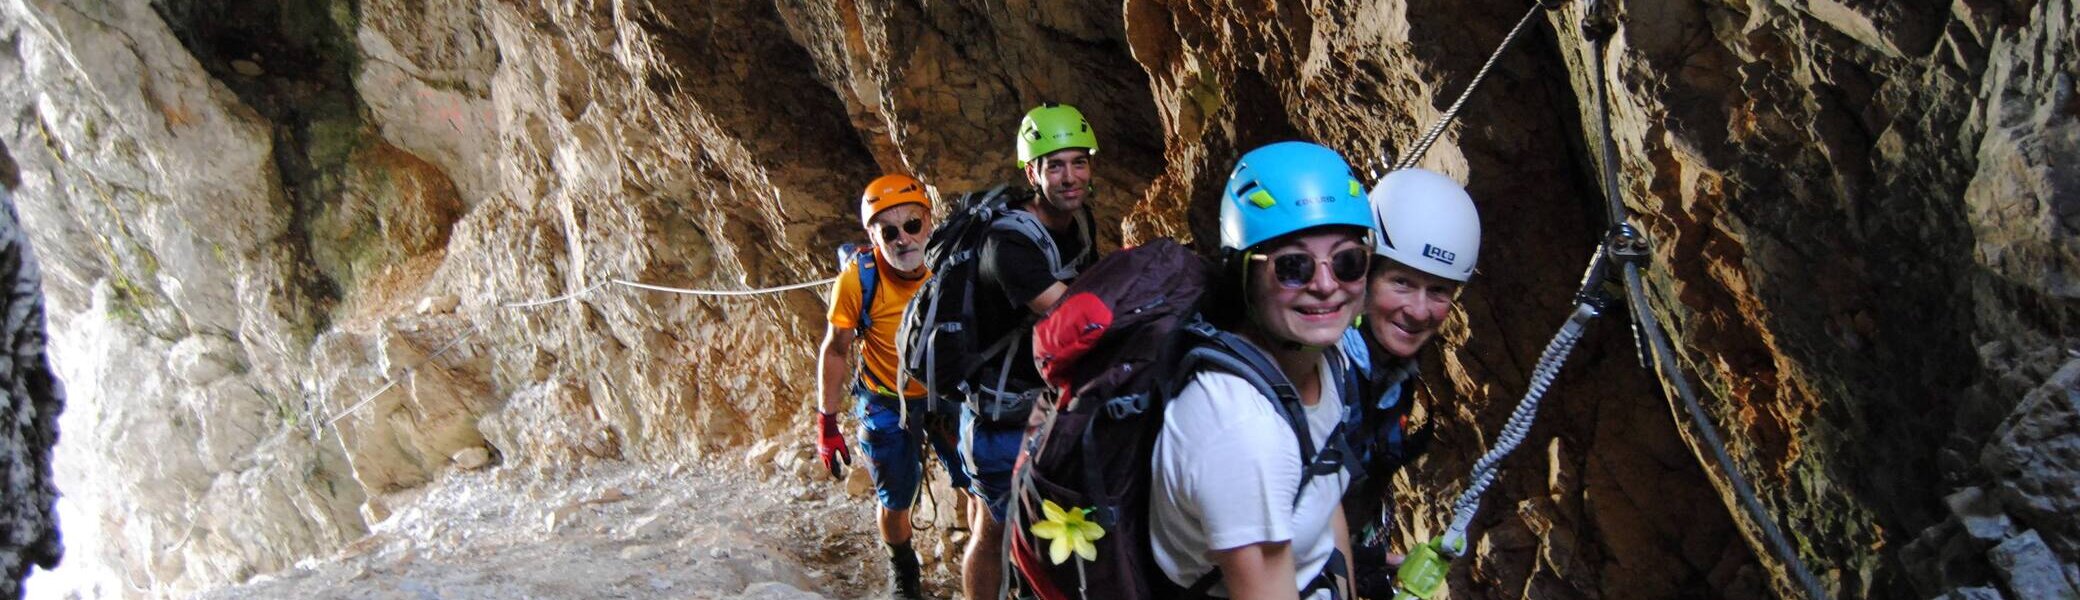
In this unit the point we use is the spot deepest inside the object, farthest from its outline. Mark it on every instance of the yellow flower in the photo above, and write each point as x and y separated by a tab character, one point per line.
1069	532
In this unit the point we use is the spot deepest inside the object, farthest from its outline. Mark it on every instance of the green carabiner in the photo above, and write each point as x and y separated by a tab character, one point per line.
1422	573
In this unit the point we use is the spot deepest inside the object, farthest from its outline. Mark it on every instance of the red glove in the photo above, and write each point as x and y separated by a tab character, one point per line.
830	446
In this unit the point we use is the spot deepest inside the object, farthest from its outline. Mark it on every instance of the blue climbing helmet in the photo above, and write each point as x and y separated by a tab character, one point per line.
1287	187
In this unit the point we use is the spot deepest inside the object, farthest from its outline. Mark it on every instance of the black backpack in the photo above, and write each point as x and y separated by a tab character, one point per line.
938	339
1124	339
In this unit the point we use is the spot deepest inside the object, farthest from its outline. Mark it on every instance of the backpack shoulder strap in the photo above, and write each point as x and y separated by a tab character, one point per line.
1337	451
1025	224
1264	374
1020	220
869	281
1088	219
1230	353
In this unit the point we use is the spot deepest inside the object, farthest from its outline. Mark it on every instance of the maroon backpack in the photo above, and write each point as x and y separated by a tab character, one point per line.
1125	337
1106	350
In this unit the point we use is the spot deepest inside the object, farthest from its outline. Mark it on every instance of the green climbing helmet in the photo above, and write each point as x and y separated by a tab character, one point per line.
1050	127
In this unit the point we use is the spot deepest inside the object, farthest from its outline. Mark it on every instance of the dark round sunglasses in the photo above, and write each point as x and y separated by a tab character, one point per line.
1294	270
889	232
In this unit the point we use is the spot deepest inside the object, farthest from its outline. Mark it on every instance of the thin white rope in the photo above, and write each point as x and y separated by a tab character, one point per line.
667	289
1422	145
543	302
759	291
400	376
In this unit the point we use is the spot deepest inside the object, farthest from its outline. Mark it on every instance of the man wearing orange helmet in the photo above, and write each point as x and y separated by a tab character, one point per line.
867	304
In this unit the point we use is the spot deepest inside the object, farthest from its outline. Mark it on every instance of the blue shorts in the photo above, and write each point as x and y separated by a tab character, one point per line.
989	453
893	456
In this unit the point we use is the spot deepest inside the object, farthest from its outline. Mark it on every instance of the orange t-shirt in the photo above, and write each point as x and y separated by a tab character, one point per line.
878	350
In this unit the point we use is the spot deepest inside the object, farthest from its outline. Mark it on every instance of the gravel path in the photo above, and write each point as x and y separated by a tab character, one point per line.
718	529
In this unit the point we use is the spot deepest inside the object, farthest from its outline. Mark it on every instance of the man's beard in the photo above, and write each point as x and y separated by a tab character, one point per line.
896	261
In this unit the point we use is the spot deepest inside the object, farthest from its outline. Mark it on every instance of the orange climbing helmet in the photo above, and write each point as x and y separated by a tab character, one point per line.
890	191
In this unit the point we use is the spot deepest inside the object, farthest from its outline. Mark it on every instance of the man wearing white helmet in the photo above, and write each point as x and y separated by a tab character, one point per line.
1430	237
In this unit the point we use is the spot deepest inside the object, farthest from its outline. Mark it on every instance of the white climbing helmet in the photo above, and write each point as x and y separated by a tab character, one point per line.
1427	222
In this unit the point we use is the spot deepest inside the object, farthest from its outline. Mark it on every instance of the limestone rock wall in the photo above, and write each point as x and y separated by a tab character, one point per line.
178	310
280	240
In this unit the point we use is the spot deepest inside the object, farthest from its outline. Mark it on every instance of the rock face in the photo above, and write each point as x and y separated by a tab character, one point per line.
280	241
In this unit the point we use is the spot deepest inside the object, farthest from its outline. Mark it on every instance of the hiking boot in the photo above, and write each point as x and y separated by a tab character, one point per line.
903	573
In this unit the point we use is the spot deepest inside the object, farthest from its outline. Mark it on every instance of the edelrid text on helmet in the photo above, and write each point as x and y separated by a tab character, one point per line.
1427	222
1051	127
1286	187
890	191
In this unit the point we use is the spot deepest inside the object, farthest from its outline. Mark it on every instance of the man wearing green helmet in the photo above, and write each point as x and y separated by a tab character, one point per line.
1055	147
1022	277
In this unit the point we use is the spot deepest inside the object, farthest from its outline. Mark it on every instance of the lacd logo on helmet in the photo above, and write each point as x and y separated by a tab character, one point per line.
1442	255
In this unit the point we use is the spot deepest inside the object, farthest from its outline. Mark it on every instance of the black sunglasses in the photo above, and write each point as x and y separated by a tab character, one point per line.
890	232
1294	270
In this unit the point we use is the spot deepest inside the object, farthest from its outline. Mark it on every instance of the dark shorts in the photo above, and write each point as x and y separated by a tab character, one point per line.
893	453
989	453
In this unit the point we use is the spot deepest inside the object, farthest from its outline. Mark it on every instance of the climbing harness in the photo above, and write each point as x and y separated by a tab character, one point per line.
1619	256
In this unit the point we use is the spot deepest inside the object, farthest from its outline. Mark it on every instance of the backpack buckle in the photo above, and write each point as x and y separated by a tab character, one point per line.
1335	455
1329	461
1285	391
1121	407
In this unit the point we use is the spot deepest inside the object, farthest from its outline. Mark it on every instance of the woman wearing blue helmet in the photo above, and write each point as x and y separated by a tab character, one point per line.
1246	484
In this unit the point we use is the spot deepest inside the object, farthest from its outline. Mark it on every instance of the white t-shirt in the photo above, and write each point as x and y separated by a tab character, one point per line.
1225	470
